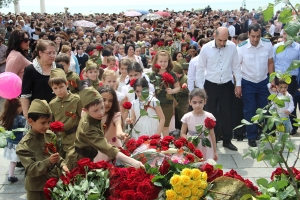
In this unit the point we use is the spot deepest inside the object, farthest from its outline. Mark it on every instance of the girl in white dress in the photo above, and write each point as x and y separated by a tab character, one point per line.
124	63
197	100
152	123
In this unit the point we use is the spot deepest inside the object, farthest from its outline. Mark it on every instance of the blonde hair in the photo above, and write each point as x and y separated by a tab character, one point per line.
108	73
65	49
111	58
90	65
162	53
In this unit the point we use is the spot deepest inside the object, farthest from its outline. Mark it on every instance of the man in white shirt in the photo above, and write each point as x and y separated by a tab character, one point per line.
231	28
219	59
272	27
256	60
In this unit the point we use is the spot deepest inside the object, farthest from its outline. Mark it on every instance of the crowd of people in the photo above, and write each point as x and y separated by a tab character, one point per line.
191	66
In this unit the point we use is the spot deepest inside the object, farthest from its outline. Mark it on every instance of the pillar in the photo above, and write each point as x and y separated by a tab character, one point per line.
17	7
42	6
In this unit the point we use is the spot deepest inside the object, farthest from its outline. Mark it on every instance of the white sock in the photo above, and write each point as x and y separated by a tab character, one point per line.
12	166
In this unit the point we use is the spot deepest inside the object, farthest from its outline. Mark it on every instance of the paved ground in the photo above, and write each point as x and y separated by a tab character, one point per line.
247	167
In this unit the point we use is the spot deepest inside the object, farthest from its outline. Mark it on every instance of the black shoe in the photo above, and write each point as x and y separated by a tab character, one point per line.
293	132
252	143
19	165
239	138
230	146
12	179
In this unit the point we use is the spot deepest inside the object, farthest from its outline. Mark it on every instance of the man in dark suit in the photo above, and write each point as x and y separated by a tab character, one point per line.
81	57
237	26
248	22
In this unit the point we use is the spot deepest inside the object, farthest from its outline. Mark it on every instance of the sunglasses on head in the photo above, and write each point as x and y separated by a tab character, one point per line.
25	40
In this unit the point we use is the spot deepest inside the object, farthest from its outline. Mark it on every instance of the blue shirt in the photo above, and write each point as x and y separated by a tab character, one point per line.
283	59
192	42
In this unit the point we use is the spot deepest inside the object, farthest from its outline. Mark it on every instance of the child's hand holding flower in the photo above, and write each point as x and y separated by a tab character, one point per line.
66	169
129	121
184	86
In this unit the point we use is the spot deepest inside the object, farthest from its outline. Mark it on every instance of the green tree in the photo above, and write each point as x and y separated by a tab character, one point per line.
5	3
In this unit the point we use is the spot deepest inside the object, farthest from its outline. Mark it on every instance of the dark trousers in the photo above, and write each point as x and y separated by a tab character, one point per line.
238	115
255	95
293	86
220	98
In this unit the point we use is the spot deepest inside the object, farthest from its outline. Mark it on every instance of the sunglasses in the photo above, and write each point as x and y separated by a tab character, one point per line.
25	40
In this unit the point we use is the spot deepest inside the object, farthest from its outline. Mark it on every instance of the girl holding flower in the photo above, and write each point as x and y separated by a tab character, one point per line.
149	124
111	121
197	100
166	84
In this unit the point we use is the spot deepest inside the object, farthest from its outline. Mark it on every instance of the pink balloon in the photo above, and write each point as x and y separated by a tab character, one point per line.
10	85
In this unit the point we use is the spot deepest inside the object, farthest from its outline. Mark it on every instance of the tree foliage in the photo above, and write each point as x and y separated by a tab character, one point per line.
5	3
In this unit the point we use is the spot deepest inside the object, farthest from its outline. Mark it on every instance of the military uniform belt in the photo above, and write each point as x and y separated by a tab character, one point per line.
91	154
71	130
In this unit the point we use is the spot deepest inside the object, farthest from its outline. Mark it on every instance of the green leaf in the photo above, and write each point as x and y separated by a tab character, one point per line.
272	76
294	65
288	79
243	121
268	12
297	6
239	126
290	145
281	1
143	112
280	49
272	97
263	182
157	103
157	177
247	197
199	128
145	93
292	28
282	184
85	185
93	196
285	15
131	91
273	161
206	142
157	184
284	98
296	38
218	166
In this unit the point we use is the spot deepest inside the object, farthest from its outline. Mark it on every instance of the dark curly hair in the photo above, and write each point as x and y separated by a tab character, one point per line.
14	42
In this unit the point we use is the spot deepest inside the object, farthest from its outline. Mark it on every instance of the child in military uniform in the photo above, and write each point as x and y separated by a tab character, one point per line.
182	96
89	136
72	77
66	108
37	152
92	73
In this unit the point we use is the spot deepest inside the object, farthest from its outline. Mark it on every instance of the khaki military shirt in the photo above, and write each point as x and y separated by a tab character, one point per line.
74	81
89	136
38	168
67	110
183	93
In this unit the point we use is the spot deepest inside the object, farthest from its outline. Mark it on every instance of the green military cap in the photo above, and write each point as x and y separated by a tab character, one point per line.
57	72
185	66
39	106
90	64
177	67
182	60
267	35
89	95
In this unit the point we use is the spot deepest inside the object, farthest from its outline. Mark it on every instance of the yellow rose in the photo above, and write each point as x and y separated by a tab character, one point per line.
198	183
195	191
175	180
186	192
203	185
178	189
180	198
200	193
171	194
194	198
187	172
185	180
196	174
204	176
192	184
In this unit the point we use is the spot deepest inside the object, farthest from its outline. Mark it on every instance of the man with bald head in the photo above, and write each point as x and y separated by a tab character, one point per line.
218	58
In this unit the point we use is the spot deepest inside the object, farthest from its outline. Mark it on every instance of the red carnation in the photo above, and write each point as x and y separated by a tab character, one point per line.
209	123
139	142
83	162
168	78
155	136
170	43
208	168
57	126
153	53
127	105
132	82
160	43
157	66
124	151
178	144
190	157
144	137
278	171
177	30
164	168
131	145
191	146
154	143
91	53
99	48
183	140
168	138
198	153
51	183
